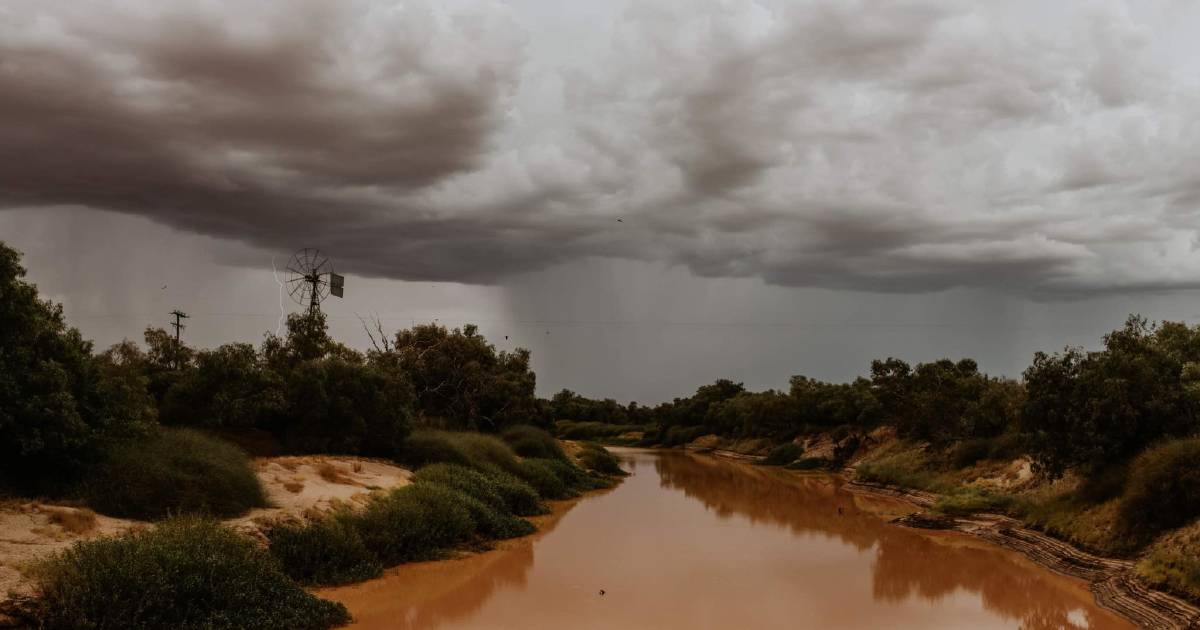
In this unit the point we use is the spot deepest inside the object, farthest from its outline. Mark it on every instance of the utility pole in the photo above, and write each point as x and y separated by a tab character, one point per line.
178	324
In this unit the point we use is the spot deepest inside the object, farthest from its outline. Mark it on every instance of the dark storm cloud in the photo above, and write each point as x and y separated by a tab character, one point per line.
901	146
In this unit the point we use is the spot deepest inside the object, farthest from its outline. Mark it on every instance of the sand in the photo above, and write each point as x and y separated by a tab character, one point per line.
297	487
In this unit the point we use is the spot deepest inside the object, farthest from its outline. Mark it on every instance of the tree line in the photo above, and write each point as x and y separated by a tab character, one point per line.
62	403
1070	409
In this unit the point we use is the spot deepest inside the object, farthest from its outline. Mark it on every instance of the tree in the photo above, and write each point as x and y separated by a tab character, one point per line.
338	404
1089	409
460	381
56	408
226	388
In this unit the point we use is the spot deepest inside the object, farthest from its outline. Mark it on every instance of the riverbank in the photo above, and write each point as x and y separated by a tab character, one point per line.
330	521
1118	584
297	488
1112	581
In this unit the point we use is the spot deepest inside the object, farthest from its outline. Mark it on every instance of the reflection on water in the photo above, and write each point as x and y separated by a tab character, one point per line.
695	542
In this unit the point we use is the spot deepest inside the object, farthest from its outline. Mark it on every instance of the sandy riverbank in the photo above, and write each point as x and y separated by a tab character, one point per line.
296	487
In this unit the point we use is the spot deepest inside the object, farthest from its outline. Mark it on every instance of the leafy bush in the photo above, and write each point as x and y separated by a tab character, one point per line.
811	463
417	522
522	499
529	441
491	522
541	474
597	458
426	447
483	452
783	454
327	552
187	573
176	471
466	480
1163	490
498	490
968	452
487	450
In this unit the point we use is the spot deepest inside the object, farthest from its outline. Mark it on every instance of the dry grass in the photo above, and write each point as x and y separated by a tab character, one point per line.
288	464
293	486
332	474
1173	562
74	520
357	467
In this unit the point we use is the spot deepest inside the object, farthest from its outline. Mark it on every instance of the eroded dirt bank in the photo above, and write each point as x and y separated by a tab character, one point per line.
1112	581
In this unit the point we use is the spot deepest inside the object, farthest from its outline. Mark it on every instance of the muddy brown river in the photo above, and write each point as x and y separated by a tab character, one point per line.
691	541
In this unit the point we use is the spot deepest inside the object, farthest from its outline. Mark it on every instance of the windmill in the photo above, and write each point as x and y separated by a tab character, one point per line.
311	279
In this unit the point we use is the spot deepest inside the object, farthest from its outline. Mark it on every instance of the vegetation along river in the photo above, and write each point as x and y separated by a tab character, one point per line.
692	541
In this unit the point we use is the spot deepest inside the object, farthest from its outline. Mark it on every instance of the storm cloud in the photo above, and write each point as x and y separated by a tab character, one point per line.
897	147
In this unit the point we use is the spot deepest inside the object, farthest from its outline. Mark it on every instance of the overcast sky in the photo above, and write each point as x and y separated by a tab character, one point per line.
648	194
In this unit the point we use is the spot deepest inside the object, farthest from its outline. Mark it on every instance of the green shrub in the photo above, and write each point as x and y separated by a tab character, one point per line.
522	499
783	454
811	463
968	452
489	521
476	450
540	474
597	458
530	441
416	522
176	471
1163	490
188	573
840	432
466	480
487	450
327	552
426	447
499	490
676	436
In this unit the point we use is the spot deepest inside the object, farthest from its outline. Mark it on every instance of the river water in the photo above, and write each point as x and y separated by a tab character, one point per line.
691	541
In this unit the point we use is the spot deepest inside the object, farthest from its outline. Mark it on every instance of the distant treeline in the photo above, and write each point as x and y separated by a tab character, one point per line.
1072	409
